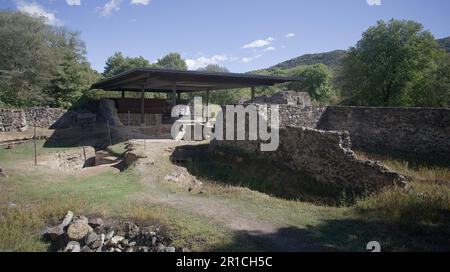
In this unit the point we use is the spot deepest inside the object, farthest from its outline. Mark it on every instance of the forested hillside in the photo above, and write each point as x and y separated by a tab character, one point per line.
444	43
330	59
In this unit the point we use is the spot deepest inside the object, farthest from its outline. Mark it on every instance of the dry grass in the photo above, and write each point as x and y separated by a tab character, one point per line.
20	223
422	203
414	170
417	218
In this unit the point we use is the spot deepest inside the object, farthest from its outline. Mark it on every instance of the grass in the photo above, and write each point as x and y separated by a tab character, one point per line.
402	220
31	200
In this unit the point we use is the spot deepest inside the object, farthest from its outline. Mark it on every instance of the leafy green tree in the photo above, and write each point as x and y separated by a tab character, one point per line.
434	88
26	60
317	81
117	64
41	64
172	61
387	64
213	68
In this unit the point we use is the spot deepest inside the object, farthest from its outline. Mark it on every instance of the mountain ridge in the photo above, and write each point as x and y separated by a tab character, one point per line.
330	58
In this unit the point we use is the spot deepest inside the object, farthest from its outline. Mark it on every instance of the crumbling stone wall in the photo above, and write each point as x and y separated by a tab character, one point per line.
295	108
108	112
325	156
17	120
422	133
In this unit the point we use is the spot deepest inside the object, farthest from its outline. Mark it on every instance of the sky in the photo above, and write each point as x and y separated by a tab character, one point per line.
242	35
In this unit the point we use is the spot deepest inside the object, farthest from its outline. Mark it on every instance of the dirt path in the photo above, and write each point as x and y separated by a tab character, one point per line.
157	165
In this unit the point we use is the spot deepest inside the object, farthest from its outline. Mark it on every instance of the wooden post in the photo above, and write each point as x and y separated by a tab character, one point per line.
179	96
174	95
123	94
109	133
253	92
207	105
34	142
129	125
142	106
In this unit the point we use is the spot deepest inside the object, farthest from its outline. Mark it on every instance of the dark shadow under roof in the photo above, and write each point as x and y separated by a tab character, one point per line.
159	80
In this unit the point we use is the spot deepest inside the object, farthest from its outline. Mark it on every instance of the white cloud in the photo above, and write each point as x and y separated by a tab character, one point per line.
374	2
290	35
270	48
140	2
259	43
110	7
35	10
194	64
73	2
249	59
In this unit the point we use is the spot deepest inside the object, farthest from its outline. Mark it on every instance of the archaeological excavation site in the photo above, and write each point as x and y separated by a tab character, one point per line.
139	180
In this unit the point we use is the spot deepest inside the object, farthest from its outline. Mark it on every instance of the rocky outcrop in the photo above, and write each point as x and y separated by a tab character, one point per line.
83	234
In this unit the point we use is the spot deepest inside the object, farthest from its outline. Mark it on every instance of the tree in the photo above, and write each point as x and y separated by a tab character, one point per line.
213	68
434	88
317	81
387	64
117	64
41	64
172	61
26	60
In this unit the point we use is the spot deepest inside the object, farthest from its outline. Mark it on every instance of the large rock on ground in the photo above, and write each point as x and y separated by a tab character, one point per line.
78	230
73	246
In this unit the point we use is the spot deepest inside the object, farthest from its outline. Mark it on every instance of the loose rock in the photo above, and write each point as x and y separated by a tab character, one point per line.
75	234
73	246
78	230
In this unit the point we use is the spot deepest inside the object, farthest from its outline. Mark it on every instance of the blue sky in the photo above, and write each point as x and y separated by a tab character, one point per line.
241	35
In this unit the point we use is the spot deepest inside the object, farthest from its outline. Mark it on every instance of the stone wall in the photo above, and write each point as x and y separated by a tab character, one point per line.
107	111
18	120
325	156
295	108
422	133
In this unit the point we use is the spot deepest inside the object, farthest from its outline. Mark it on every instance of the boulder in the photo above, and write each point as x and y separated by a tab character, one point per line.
93	240
96	222
73	246
53	233
170	249
131	230
115	240
109	235
78	230
67	219
86	249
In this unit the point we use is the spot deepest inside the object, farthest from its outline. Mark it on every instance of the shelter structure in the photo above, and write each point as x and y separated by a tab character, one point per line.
173	83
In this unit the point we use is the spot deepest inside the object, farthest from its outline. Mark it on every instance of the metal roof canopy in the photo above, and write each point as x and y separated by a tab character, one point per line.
160	80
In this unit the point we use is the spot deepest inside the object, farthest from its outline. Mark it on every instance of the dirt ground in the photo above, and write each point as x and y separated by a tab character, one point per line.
156	165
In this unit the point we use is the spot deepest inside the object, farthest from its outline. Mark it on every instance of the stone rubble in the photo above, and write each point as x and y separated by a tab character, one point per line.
82	234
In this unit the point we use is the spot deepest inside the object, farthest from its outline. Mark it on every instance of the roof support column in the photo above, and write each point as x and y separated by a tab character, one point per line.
207	105
174	95
253	93
142	106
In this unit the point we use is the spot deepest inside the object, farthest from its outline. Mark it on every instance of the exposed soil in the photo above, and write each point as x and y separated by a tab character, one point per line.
157	164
